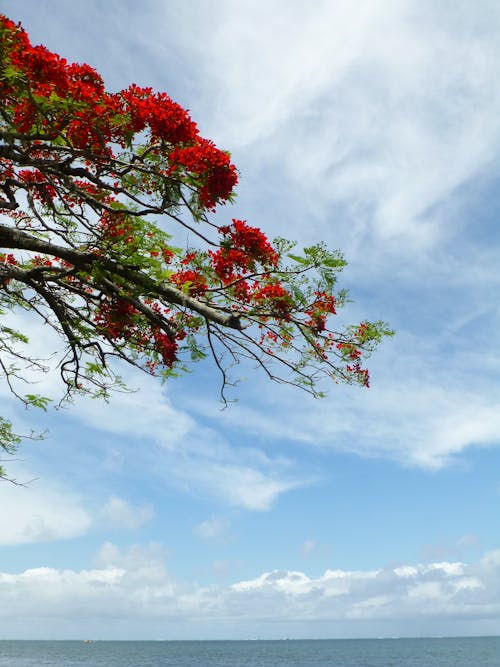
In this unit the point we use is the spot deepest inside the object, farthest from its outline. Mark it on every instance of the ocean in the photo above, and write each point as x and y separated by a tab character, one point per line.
447	652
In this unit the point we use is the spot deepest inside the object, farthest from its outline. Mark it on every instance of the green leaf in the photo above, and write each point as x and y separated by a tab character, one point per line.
37	401
299	260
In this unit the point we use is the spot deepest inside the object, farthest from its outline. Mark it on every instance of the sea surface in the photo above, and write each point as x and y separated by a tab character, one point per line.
448	652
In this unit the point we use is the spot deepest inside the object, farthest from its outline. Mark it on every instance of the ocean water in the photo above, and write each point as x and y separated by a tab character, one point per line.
448	652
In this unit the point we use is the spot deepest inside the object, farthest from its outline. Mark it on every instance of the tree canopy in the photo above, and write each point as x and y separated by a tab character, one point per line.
94	185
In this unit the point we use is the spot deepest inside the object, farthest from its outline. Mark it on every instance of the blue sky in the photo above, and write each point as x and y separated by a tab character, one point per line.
368	513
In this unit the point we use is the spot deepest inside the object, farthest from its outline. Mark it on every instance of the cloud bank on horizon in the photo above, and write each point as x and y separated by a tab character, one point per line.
132	588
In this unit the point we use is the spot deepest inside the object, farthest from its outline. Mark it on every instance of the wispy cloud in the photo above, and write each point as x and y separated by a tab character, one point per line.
213	528
456	549
118	514
308	547
390	136
38	513
184	452
425	409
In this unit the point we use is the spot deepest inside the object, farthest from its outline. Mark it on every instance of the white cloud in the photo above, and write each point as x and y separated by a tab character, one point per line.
422	409
180	450
139	564
119	513
223	569
184	452
308	547
122	581
133	585
213	528
44	346
241	486
145	414
456	549
390	125
35	513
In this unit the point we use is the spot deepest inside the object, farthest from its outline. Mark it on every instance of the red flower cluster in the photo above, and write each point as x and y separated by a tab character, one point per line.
363	332
52	97
242	249
42	261
362	374
349	350
190	280
6	169
322	306
115	226
209	164
119	321
165	347
115	318
167	120
45	95
275	297
41	188
8	259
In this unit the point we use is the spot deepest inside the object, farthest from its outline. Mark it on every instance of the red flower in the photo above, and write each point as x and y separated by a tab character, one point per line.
242	249
275	297
194	281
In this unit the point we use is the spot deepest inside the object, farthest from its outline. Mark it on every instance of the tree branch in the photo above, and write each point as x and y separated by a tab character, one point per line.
17	239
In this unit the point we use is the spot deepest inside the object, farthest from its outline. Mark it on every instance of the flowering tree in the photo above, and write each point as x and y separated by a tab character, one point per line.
92	186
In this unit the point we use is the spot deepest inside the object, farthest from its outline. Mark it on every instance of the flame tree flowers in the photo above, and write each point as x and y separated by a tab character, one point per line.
92	185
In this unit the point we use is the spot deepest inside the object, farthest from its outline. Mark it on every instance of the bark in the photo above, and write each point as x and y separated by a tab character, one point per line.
85	261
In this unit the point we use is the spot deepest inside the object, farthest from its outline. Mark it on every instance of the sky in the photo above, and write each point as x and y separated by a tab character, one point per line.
375	127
